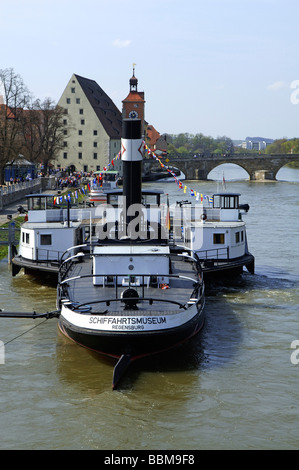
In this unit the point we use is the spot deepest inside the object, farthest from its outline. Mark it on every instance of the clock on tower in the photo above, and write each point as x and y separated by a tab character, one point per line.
133	104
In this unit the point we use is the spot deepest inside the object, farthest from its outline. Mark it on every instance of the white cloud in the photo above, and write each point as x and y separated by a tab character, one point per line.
122	43
276	86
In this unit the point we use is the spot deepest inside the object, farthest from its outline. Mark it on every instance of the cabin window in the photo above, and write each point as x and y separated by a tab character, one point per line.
239	236
26	238
46	239
218	238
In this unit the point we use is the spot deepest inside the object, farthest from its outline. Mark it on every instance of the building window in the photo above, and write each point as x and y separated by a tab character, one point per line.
65	155
85	168
80	155
95	144
95	132
68	100
82	122
80	132
218	238
95	156
79	144
81	111
64	122
65	132
46	239
73	90
65	143
78	100
98	167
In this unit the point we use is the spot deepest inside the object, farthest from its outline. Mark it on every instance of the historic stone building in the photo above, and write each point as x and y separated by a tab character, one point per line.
93	126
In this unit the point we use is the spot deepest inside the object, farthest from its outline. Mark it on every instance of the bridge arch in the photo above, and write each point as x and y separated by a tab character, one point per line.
285	172
230	171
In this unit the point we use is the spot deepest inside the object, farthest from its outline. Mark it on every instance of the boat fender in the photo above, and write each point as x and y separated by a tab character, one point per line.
203	216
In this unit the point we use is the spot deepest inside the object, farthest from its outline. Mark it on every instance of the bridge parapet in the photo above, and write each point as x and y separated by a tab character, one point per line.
258	166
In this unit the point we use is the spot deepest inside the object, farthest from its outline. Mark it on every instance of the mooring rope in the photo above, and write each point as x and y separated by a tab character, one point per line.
25	332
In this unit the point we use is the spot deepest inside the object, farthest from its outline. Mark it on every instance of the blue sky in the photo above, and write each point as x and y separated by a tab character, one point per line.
220	67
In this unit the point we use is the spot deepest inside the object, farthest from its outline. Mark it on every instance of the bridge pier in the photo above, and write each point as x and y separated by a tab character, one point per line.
262	175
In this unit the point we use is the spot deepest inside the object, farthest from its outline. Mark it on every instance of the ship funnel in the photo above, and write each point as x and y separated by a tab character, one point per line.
132	156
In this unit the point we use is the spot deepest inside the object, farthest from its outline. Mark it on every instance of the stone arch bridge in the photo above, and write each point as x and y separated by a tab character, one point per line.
258	166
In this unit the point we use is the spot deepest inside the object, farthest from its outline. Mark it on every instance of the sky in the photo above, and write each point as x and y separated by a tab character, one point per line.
216	67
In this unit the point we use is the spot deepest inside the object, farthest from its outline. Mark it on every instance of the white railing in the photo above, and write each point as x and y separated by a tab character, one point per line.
13	192
12	188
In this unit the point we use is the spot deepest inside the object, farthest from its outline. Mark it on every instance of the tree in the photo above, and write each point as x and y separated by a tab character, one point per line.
15	98
199	144
43	131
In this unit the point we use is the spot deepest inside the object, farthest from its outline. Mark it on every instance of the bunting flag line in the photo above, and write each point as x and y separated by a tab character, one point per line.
191	192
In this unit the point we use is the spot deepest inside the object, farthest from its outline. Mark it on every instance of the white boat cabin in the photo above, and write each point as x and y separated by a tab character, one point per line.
51	228
216	231
147	264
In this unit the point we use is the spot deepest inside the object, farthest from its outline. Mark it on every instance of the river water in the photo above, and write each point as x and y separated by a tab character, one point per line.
235	386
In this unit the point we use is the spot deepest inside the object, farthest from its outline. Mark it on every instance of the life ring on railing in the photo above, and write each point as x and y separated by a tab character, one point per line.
203	216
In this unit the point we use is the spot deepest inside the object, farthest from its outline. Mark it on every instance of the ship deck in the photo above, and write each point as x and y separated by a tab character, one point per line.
152	300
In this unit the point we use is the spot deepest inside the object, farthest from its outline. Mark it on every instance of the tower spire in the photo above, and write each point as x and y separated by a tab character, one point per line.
133	81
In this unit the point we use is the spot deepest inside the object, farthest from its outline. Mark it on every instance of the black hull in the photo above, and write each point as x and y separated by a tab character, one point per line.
48	267
135	345
215	269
